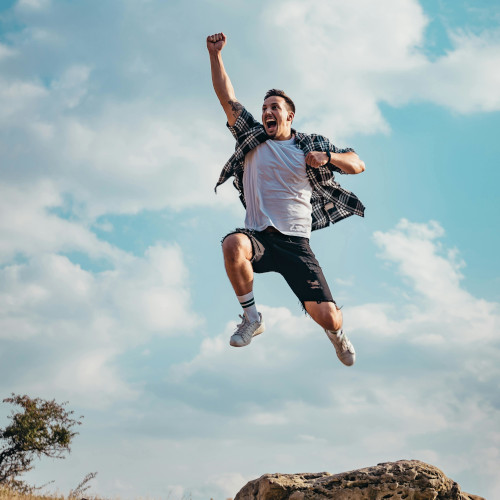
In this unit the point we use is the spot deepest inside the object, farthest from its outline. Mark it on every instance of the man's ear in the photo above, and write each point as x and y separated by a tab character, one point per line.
290	116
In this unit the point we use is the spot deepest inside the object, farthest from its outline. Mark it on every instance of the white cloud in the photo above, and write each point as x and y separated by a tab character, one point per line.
278	348
423	376
125	164
442	307
466	79
18	98
29	228
359	54
103	127
286	393
32	4
69	324
98	121
5	51
68	111
435	313
176	491
122	159
72	86
229	484
267	418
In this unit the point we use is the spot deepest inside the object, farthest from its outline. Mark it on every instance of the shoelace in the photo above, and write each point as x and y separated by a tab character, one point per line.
344	342
244	327
243	322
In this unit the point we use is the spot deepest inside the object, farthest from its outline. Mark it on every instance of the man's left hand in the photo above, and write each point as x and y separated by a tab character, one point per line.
316	159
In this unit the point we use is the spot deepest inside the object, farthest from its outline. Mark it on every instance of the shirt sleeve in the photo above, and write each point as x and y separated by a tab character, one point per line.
248	132
335	149
244	123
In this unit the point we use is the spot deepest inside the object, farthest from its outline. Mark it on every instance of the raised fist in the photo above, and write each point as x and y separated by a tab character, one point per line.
216	42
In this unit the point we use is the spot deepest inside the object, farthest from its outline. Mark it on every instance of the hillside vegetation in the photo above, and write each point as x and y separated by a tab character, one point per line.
9	494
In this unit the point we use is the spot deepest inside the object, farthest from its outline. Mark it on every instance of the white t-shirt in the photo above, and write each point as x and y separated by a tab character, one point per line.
277	190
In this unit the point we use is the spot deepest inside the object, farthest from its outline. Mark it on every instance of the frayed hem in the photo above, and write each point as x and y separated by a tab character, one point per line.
242	230
304	310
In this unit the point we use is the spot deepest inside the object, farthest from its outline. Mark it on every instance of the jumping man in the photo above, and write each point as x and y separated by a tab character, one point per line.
285	180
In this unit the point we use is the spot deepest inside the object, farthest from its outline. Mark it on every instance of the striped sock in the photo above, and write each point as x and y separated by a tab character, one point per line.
249	308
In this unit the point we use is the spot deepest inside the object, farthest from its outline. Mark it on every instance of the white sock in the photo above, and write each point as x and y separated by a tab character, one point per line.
336	332
249	308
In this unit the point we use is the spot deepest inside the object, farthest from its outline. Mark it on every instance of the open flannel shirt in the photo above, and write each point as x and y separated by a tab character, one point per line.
330	202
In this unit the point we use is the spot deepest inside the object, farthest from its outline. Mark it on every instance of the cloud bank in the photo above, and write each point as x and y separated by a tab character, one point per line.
117	120
91	113
426	374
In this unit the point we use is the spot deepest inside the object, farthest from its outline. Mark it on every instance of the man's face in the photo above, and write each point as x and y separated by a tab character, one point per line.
276	118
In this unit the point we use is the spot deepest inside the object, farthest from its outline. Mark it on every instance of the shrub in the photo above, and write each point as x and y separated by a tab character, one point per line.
42	428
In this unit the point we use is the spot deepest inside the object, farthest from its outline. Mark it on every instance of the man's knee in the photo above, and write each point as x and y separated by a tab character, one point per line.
326	314
236	246
332	316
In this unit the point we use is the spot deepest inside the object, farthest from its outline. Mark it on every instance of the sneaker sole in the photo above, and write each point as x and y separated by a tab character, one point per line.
349	362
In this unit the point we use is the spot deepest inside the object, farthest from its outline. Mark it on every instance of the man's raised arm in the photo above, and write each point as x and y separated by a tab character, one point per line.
220	79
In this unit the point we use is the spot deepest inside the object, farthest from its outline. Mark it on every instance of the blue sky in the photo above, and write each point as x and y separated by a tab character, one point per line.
112	289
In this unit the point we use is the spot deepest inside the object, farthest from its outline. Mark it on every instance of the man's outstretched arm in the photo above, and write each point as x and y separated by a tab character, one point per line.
220	79
349	162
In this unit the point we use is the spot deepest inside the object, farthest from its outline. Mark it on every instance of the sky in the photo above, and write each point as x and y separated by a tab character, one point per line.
113	295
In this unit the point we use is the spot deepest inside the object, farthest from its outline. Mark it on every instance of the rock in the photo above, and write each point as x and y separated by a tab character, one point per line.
405	479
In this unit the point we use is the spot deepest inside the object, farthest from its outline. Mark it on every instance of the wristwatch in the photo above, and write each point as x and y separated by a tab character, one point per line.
329	157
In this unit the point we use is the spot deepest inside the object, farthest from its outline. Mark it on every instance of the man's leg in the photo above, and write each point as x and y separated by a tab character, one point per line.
329	317
237	250
301	270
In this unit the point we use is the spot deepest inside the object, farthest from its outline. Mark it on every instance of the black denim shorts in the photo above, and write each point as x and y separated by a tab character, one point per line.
292	257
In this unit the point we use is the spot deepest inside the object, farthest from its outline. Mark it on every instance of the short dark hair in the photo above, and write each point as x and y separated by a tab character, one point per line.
281	93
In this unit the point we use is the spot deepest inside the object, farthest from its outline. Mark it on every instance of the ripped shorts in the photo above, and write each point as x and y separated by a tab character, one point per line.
292	257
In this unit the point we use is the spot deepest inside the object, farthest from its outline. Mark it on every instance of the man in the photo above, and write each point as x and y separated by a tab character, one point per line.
286	183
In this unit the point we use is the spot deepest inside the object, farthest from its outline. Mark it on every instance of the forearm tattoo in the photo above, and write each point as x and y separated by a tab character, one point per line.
236	107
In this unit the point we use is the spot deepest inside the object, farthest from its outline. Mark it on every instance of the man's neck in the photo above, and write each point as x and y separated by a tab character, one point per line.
283	137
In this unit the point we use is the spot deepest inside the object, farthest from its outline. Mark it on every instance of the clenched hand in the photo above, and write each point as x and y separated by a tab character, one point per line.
316	159
216	42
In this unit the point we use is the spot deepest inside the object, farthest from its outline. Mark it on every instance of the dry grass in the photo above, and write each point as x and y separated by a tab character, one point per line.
9	494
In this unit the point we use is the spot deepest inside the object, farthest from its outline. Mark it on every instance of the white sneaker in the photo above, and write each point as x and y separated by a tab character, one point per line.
246	330
345	350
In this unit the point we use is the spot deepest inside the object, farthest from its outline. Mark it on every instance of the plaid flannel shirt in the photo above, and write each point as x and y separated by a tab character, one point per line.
330	202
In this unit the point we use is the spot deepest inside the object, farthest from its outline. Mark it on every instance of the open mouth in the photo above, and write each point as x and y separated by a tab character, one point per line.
271	125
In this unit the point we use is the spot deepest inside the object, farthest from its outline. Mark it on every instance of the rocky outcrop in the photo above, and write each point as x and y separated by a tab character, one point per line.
405	479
